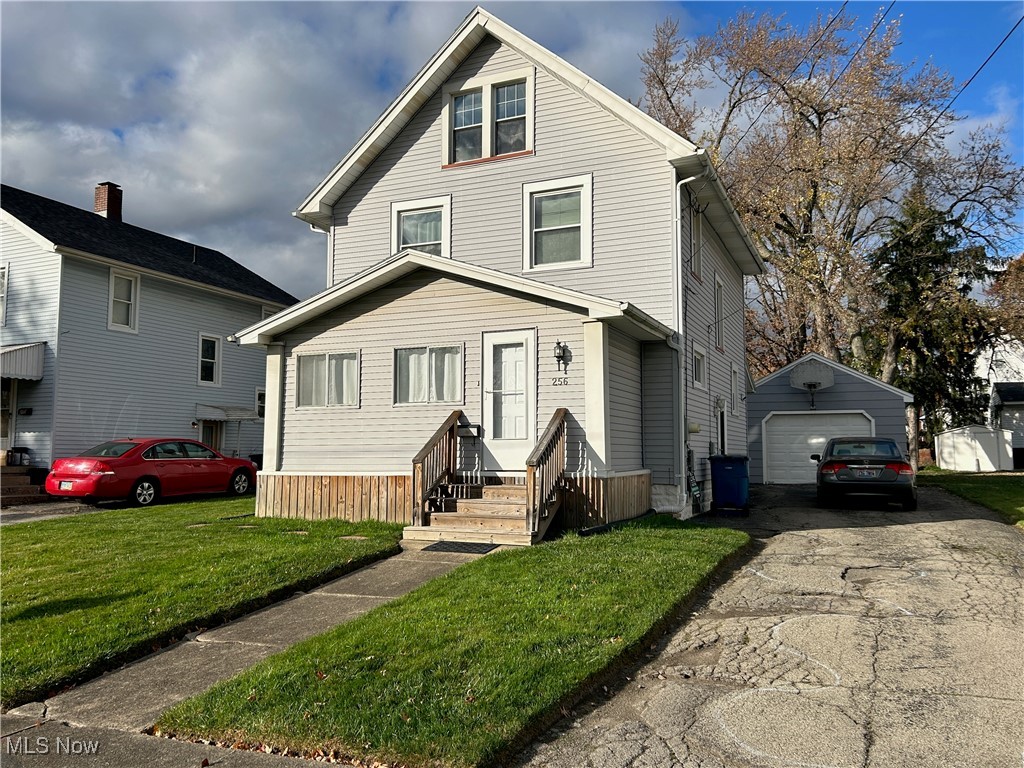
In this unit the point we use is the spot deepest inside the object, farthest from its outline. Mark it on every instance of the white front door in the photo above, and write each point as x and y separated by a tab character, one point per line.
509	399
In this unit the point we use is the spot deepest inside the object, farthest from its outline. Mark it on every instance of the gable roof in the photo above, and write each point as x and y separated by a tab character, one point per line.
907	397
688	159
1009	391
401	264
70	230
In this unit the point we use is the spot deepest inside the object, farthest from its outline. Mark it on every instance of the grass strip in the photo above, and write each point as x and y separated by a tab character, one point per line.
1002	493
458	671
84	594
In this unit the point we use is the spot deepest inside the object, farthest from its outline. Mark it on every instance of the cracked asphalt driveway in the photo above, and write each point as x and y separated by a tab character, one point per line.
856	637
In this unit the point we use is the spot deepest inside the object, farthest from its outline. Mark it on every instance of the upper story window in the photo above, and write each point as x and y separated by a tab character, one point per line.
329	379
123	313
696	244
4	269
557	223
719	313
424	225
488	117
209	360
428	375
700	367
735	389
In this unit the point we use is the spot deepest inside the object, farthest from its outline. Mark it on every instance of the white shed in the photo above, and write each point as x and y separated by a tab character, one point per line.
974	449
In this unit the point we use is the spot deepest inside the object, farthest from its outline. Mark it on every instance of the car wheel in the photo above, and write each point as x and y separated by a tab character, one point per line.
240	483
145	492
910	504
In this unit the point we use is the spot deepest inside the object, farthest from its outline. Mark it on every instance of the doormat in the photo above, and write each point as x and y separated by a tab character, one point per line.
461	547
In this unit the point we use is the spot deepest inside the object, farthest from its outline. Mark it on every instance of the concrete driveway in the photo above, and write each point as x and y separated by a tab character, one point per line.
850	638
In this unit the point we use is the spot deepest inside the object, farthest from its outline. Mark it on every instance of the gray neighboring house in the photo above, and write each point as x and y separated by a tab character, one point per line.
795	410
533	284
1007	412
111	330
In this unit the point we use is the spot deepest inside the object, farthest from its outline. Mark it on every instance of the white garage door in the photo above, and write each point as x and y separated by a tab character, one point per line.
791	438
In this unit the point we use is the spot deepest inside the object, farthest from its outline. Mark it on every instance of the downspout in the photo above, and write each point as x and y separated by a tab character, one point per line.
682	428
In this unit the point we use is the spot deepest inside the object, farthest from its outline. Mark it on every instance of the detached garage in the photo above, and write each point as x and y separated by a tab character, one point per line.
795	410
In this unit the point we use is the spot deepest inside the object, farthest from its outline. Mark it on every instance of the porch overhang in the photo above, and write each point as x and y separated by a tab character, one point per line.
617	313
22	361
225	413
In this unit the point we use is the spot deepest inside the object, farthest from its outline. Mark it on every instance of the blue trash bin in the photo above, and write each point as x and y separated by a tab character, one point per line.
730	483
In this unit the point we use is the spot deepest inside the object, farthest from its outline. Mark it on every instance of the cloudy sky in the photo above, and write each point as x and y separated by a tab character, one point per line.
218	119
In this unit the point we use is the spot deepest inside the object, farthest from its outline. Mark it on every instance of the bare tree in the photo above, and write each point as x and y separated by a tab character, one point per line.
818	134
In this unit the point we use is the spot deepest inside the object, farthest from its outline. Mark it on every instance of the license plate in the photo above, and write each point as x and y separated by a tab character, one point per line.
65	485
867	473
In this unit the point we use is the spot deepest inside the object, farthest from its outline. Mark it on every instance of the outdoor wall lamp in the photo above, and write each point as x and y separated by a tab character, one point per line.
195	425
560	353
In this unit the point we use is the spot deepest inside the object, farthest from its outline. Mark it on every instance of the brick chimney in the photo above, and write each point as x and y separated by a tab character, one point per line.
108	200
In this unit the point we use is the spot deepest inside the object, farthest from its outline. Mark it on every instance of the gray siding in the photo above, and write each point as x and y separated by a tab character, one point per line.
33	290
660	412
632	193
849	393
115	384
420	309
624	400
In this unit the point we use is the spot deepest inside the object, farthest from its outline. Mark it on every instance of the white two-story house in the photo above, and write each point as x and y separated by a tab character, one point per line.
535	310
111	330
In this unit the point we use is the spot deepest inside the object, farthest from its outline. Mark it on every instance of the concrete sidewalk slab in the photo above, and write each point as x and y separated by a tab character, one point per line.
389	578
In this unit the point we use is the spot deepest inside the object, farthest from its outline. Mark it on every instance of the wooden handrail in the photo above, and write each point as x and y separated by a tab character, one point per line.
436	463
545	467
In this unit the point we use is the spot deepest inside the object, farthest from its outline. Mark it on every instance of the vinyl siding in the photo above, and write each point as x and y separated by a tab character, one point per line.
33	290
660	412
624	395
117	384
849	393
632	193
421	309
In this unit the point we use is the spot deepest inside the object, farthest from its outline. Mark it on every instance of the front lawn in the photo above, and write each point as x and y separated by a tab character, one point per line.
460	671
82	594
1001	492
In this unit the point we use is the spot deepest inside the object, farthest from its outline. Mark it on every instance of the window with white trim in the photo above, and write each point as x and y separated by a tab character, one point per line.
124	302
428	375
330	379
488	117
696	244
735	389
209	360
699	367
557	223
719	313
261	402
424	225
266	312
4	270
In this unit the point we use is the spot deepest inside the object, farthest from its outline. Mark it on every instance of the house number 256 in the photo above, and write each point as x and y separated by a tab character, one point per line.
560	381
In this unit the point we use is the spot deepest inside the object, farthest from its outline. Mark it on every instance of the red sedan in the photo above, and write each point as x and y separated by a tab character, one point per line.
144	469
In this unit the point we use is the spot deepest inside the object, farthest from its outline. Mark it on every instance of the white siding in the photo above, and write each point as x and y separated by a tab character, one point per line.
661	412
117	384
624	395
33	289
632	193
422	309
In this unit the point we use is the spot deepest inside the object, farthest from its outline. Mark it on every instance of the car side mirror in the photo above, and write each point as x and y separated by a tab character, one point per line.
816	457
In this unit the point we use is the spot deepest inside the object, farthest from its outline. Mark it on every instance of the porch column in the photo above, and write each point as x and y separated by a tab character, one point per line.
274	407
595	384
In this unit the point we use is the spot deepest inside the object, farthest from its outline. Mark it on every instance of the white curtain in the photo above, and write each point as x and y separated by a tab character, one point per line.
344	379
446	373
412	375
312	379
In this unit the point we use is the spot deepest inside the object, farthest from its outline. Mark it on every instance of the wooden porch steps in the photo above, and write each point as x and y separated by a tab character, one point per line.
16	487
493	514
451	533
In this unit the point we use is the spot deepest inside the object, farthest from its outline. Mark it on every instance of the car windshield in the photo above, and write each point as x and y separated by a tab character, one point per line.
112	449
883	448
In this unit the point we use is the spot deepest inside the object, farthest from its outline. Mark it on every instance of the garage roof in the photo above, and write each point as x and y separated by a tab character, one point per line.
907	397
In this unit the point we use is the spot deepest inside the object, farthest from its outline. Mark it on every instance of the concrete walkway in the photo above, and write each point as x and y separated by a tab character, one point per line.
854	638
45	510
113	709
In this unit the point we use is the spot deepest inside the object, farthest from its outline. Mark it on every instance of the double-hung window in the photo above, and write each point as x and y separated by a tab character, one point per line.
3	293
700	367
696	244
735	389
123	312
557	226
488	117
328	380
423	225
209	360
428	375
